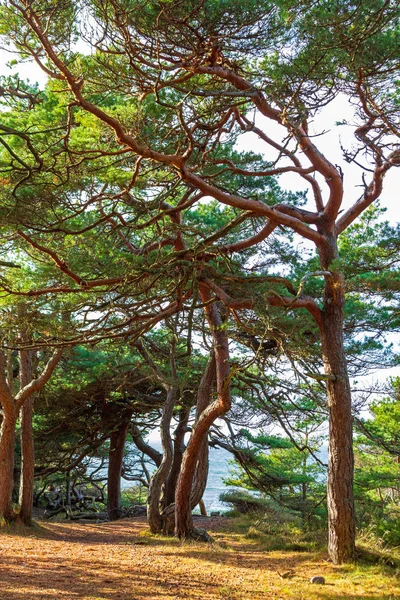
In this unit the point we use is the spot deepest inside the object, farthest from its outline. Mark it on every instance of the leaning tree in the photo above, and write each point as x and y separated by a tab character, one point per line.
196	75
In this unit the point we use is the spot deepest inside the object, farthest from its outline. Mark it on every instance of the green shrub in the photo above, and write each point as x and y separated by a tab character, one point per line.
244	502
136	494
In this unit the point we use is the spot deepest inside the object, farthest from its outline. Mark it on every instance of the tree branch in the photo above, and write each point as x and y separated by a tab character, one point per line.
37	384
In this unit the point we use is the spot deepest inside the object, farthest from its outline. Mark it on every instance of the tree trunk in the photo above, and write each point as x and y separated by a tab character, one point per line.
183	515
199	483
179	449
7	445
203	400
27	444
341	520
116	456
11	406
27	463
185	499
203	509
155	516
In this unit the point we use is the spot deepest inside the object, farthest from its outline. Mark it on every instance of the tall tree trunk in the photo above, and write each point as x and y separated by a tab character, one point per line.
155	516
116	456
203	400
7	445
27	444
183	515
179	449
199	483
11	406
341	520
199	476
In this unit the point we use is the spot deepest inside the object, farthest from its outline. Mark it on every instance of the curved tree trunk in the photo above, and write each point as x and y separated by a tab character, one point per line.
179	449
200	473
199	483
27	444
203	400
341	520
183	515
155	516
116	456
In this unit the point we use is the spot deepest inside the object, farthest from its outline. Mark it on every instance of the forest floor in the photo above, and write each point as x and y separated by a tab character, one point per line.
121	561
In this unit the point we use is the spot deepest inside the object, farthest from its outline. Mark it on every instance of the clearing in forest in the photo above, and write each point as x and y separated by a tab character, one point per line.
122	561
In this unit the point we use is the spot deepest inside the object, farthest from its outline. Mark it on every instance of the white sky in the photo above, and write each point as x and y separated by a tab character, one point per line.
329	142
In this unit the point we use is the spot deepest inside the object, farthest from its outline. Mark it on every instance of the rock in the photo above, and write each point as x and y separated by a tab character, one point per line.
137	510
318	579
200	535
215	513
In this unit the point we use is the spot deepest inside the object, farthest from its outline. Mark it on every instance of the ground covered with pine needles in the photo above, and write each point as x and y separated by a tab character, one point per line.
121	561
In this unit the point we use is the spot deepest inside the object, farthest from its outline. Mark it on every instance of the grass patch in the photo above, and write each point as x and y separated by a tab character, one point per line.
148	538
278	536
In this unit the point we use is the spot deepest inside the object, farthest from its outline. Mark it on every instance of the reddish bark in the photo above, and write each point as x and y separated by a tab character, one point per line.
154	509
179	449
11	408
26	436
183	517
7	444
341	523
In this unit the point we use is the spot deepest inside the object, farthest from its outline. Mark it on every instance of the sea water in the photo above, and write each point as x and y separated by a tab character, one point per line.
218	470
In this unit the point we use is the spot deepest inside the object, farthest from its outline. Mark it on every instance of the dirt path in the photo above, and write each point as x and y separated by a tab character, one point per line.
121	561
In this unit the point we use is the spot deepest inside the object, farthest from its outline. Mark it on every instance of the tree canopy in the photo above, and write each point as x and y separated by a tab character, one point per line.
134	221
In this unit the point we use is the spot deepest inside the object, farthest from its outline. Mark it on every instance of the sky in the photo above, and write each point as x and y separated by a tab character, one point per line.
329	138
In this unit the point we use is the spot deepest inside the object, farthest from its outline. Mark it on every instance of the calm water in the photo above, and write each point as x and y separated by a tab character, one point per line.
218	470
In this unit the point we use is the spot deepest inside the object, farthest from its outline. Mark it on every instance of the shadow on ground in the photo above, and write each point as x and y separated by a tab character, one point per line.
119	561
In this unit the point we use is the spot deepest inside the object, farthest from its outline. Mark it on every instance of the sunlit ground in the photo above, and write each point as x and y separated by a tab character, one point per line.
121	561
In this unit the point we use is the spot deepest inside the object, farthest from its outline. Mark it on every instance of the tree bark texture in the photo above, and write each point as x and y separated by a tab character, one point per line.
203	400
7	444
154	509
341	521
116	456
183	516
27	444
179	449
11	407
200	473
